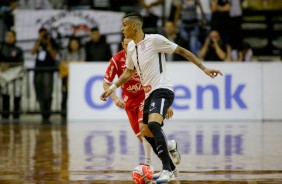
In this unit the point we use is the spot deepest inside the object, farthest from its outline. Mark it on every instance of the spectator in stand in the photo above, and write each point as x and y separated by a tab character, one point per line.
171	33
220	19
152	13
58	4
35	4
9	15
244	53
97	49
11	56
186	12
101	5
75	4
235	31
213	48
45	49
125	5
170	8
73	53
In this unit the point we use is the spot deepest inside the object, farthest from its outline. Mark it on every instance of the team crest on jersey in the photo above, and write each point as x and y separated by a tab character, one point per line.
143	45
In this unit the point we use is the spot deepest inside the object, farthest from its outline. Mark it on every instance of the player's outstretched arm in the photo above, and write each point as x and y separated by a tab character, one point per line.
127	74
191	57
119	102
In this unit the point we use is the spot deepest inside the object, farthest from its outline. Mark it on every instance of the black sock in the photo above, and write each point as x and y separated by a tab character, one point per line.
161	145
152	142
172	166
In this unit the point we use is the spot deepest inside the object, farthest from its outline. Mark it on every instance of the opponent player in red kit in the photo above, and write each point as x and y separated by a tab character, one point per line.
132	100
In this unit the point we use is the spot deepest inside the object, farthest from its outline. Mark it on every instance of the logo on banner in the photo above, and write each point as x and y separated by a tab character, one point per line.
66	24
232	95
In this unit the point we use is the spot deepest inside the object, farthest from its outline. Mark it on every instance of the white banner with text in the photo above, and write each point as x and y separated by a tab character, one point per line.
246	91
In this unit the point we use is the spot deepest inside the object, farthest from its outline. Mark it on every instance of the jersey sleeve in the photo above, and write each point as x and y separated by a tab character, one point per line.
111	71
129	61
162	44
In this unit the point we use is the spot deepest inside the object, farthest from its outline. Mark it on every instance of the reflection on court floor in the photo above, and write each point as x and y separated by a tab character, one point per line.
106	152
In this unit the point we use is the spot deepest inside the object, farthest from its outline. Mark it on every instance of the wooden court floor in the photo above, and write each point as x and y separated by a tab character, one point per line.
106	152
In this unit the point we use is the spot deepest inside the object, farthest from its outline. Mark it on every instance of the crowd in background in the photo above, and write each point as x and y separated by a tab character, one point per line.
215	38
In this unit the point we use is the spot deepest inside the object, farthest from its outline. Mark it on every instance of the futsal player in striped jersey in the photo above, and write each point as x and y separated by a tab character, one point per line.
132	100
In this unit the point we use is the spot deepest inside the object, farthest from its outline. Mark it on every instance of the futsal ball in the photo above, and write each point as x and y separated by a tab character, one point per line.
142	174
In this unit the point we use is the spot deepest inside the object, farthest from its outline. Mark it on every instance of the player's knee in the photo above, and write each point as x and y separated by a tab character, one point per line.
154	127
145	131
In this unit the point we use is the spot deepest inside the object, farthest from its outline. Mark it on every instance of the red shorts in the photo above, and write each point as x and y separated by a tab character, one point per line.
135	116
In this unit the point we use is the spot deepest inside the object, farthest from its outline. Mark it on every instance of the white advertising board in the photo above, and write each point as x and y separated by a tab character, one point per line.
235	96
231	96
85	88
272	91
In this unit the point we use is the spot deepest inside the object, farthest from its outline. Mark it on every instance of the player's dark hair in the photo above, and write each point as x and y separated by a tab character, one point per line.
134	15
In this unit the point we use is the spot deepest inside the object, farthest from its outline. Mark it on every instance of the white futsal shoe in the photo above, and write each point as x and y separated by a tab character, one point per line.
158	174
165	176
175	155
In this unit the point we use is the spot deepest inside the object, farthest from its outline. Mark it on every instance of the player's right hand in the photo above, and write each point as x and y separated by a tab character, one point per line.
106	94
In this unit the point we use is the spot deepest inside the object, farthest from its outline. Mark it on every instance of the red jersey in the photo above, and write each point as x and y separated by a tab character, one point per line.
132	90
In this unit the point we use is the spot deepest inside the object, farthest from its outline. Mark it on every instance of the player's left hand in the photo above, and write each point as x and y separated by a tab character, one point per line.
106	94
120	103
212	72
169	113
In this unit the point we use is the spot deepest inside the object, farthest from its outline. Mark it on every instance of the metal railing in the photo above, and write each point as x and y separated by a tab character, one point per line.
29	103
